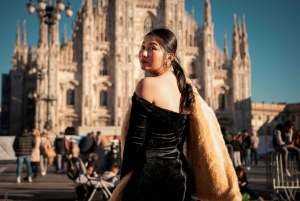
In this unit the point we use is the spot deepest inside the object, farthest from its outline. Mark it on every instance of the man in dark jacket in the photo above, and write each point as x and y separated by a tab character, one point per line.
247	149
87	146
61	150
23	145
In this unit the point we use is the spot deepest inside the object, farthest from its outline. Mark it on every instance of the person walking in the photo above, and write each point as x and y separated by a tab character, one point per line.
35	154
254	147
86	148
61	150
101	151
23	145
45	144
166	112
246	144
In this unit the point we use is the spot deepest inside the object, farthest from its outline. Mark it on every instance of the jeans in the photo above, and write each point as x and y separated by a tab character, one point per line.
254	153
284	150
60	160
247	154
246	189
20	164
237	158
44	163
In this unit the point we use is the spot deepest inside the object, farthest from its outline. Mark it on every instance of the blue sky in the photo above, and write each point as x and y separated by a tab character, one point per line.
273	28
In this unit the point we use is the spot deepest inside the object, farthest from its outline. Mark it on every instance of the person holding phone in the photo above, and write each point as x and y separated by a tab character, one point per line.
243	183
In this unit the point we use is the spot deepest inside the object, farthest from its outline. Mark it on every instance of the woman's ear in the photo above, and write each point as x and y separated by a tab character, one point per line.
170	57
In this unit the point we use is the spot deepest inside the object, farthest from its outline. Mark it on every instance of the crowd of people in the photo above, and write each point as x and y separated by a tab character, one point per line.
38	151
244	150
244	153
244	147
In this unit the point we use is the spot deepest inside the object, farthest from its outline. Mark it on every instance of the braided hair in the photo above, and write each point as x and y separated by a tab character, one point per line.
168	42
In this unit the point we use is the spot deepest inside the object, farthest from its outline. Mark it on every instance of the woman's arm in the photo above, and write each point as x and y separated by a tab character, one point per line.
135	137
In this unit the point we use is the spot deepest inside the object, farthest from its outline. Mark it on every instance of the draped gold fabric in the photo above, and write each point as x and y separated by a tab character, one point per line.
206	153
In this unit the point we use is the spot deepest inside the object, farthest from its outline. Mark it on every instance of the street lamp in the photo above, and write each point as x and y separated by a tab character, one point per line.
37	95
50	15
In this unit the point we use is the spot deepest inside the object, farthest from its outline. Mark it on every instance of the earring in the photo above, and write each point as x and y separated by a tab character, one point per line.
166	63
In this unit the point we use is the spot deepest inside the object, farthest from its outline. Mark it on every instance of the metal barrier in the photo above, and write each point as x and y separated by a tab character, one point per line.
277	180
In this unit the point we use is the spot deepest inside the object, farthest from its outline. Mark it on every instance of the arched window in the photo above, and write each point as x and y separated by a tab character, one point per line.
193	70
148	25
103	67
103	98
70	97
221	101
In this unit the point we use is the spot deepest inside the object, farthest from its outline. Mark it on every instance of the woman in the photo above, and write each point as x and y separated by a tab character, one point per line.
35	154
45	144
155	129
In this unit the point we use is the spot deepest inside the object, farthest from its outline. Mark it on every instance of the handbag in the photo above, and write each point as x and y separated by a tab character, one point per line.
50	153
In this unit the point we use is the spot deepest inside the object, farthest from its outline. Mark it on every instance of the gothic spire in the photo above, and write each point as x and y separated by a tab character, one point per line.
88	6
18	33
65	39
240	26
24	37
193	12
235	39
244	27
225	46
245	38
207	12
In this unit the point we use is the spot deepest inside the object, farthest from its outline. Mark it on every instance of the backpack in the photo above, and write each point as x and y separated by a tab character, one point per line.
73	165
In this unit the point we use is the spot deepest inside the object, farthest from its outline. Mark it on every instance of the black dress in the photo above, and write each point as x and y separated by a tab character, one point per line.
153	151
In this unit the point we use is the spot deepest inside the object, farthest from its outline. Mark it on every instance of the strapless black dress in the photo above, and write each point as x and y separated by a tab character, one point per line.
153	151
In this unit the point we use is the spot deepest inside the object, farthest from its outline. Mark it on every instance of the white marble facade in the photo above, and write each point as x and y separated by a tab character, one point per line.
94	73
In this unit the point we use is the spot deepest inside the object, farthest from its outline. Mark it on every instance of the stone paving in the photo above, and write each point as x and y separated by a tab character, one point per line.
59	187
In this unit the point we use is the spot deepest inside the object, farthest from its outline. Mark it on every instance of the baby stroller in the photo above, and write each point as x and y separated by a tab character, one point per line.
87	187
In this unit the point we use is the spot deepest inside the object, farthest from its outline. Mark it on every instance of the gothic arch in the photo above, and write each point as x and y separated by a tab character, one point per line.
149	22
103	66
221	97
193	70
70	97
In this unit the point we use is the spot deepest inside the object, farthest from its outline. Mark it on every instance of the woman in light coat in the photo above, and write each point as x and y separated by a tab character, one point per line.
45	144
35	154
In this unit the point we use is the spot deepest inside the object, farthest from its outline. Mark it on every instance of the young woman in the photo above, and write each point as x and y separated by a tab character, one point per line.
156	128
35	154
45	143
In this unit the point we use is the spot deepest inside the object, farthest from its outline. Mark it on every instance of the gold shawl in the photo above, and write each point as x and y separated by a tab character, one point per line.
206	153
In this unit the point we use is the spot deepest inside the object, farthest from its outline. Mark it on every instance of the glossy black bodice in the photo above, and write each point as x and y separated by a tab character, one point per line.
153	151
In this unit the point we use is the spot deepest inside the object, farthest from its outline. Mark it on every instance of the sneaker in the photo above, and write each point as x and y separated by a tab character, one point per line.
29	179
287	172
43	173
19	179
248	168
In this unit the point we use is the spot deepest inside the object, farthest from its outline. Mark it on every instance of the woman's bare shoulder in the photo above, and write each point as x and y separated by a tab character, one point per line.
146	88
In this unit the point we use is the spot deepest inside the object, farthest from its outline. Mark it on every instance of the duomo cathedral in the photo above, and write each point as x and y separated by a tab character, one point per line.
94	73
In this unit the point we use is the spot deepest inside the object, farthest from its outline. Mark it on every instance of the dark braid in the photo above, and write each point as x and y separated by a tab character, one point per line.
168	41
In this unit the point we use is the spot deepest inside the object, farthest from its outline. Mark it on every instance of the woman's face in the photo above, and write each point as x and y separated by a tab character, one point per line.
152	56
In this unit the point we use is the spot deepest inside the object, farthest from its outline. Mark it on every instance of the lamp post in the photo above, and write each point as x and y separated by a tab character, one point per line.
37	95
50	15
